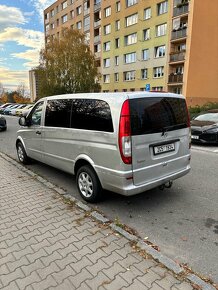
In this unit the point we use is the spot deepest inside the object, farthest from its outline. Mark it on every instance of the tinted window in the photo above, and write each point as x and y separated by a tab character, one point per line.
153	115
36	114
91	115
58	113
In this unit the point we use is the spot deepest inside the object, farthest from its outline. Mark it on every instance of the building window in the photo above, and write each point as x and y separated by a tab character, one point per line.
47	16
159	51
72	14
64	18
157	89
130	39
147	13
146	34
131	2
161	29
107	11
116	77
145	54
162	7
47	27
158	72
129	75
52	13
117	6
117	43
116	60
79	10
52	26
144	73
107	46
106	62
79	25
117	25
106	79
132	19
107	29
64	5
58	22
130	57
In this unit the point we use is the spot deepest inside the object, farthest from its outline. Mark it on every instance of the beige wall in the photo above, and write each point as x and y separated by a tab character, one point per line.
201	84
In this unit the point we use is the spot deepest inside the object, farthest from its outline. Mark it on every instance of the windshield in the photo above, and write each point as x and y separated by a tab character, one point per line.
211	117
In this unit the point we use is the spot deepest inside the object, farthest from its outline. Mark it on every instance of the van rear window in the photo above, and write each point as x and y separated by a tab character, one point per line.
159	114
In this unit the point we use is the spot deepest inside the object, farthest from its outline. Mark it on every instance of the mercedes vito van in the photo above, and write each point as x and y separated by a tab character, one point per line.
122	142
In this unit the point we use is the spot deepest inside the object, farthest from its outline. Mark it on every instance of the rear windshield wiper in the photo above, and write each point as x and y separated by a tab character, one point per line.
173	127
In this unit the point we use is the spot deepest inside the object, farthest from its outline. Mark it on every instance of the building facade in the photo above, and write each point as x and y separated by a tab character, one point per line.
147	45
34	85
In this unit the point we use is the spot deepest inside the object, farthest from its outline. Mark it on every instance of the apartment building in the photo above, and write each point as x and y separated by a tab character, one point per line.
34	85
169	45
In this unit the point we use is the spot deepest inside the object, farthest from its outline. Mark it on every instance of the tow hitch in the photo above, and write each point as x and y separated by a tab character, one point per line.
166	185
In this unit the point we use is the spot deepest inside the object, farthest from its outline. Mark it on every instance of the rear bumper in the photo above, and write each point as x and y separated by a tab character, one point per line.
125	186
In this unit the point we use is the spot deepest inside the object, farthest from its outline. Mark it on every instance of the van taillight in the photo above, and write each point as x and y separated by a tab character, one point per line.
125	143
188	125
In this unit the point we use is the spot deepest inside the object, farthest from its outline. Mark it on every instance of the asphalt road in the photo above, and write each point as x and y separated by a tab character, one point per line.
182	221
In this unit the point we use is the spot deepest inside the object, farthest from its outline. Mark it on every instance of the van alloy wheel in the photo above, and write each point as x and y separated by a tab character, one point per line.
21	153
85	184
88	184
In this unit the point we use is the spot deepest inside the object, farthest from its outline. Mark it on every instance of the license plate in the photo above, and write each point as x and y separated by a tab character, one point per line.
164	148
194	137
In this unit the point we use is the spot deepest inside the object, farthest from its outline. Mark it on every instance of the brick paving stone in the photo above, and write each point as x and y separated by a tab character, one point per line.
47	244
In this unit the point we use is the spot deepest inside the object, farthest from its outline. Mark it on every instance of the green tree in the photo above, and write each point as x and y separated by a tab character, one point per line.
67	66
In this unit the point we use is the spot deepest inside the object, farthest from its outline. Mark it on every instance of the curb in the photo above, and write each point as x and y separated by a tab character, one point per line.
140	243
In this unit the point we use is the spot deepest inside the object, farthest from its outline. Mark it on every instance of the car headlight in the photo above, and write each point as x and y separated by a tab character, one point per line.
212	130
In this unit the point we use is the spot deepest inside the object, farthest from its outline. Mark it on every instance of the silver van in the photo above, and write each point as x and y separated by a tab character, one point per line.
122	142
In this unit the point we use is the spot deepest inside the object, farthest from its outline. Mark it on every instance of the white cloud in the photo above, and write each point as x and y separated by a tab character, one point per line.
10	16
40	6
25	37
31	55
11	79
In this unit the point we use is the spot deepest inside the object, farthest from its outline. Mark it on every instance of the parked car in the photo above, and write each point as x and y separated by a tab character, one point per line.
24	111
123	142
13	111
3	123
9	108
204	128
4	106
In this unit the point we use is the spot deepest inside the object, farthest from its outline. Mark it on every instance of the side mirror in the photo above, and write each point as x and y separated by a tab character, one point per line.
22	121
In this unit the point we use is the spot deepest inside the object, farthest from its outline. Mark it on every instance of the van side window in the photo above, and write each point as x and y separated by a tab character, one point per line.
36	114
58	113
89	114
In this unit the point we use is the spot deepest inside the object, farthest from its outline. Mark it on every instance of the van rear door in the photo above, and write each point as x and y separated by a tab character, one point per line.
160	137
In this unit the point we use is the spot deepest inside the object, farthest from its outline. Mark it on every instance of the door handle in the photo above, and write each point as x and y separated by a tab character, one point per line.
38	133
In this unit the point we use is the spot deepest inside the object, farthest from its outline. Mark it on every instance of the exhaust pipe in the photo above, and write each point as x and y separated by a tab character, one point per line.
166	185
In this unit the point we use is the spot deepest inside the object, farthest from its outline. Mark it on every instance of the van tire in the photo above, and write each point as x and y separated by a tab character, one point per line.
88	184
21	153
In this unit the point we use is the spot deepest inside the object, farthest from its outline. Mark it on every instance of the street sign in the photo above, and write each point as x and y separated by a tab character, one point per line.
147	87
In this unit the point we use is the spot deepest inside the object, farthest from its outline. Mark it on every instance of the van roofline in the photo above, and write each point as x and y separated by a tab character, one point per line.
124	95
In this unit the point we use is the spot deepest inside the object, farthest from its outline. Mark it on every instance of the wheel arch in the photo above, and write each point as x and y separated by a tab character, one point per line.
19	139
82	160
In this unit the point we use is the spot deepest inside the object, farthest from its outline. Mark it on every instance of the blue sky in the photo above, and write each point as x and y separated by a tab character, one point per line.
21	38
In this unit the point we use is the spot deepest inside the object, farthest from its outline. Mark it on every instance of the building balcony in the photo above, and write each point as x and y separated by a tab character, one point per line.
97	23
177	56
173	78
180	10
179	34
86	12
97	38
97	7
